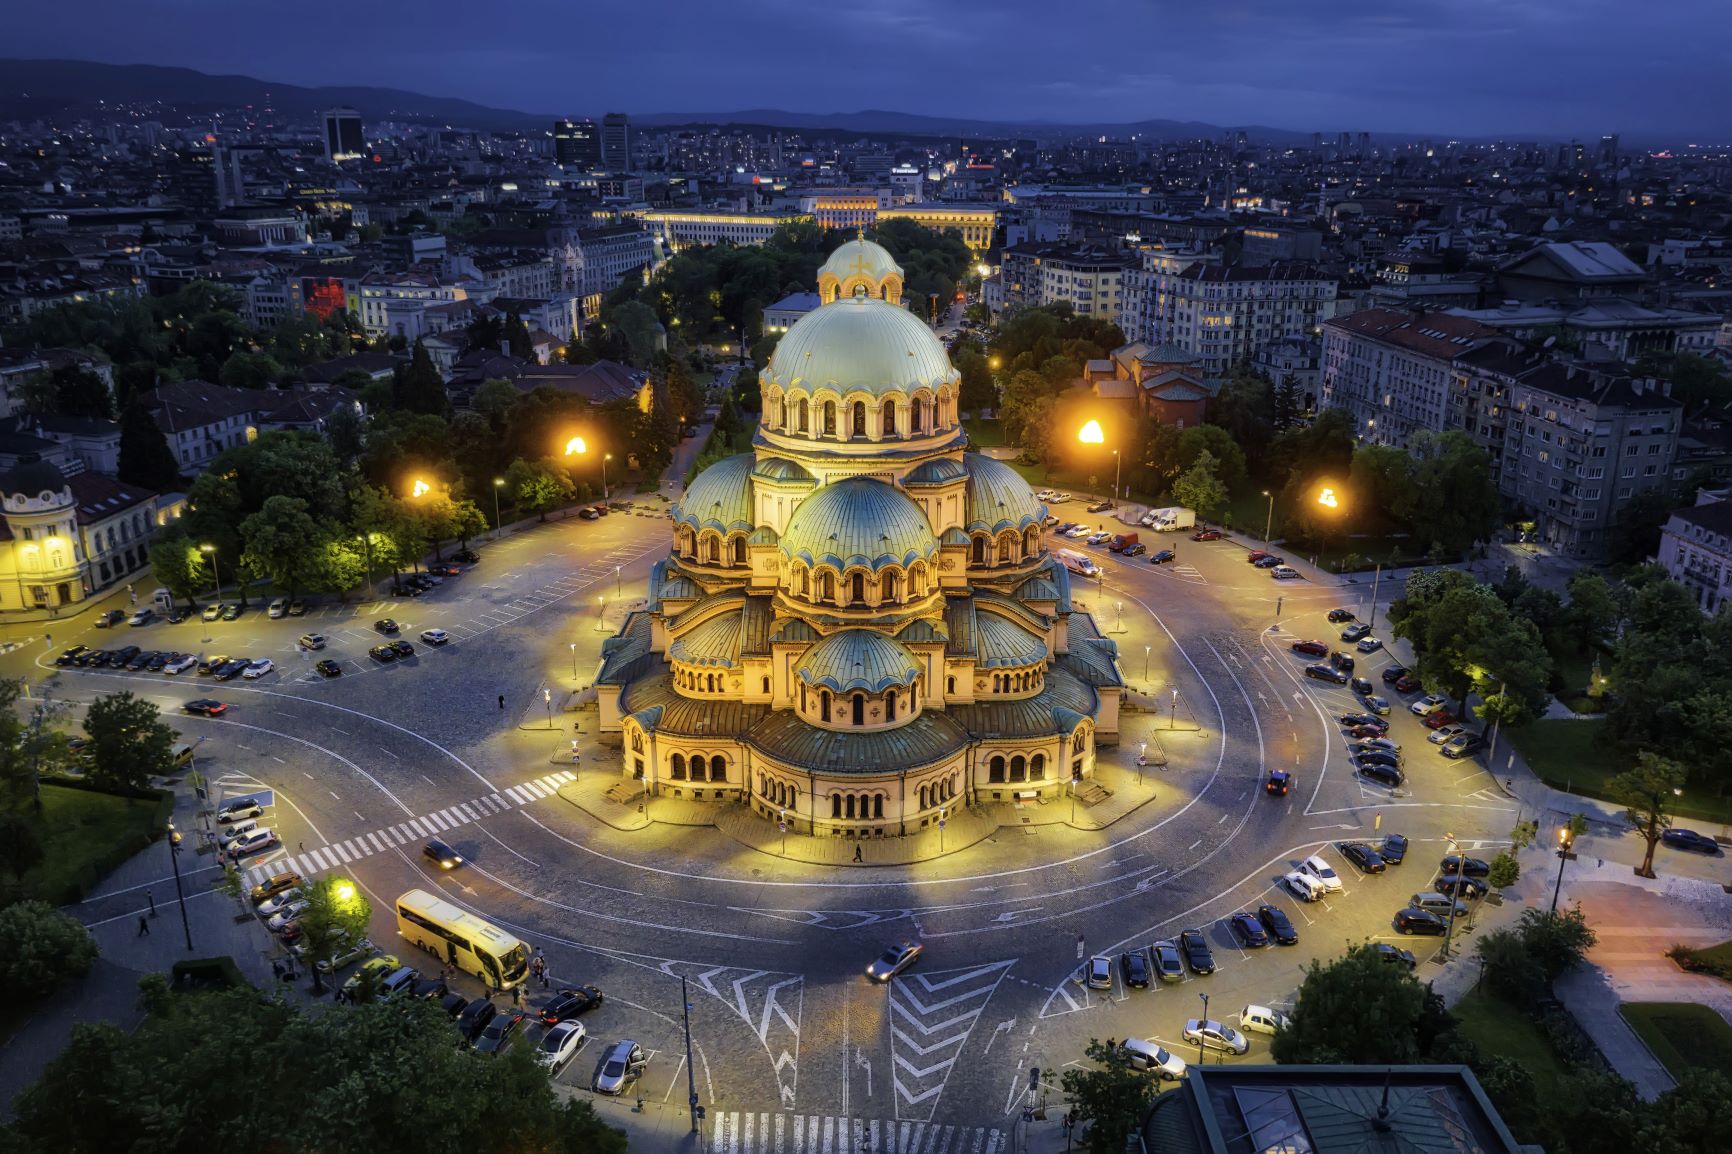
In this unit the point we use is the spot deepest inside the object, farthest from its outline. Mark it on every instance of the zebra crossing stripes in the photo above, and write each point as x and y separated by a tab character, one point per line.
746	1132
327	857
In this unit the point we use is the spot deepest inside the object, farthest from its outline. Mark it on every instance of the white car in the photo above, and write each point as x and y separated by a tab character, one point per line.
1305	887
286	913
258	668
1100	538
435	636
1320	869
278	608
1370	644
1263	1020
180	664
245	811
893	961
1215	1036
271	907
1153	1058
1079	532
347	954
142	617
1100	972
258	841
1058	497
1444	734
1285	573
559	1045
312	641
1428	705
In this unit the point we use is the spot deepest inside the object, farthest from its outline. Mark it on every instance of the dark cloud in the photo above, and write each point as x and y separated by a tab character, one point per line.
1469	67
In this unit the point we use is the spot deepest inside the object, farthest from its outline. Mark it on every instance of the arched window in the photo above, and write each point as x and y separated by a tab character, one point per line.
889	589
712	550
1018	768
637	741
1031	542
718	768
697	768
878	806
859	709
858	428
1007	549
826	585
739	550
995	770
766	685
802	582
802	697
887	419
850	806
917	417
678	772
890	706
804	414
856	588
824	705
925	798
979	555
1037	766
763	785
829	418
950	686
917	580
835	805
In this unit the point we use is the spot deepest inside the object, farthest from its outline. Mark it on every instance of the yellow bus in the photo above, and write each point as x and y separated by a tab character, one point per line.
462	940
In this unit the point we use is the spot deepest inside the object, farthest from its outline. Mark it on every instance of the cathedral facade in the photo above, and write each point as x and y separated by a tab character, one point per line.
860	626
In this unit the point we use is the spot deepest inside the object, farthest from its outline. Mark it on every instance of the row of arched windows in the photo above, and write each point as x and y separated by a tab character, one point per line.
939	792
780	794
830	710
693	681
714	768
708	548
857	588
798	414
865	806
1009	548
1016	682
1016	768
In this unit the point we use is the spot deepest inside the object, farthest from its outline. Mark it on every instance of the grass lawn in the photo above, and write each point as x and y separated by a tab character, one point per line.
1581	757
1682	1035
77	827
1498	1028
985	434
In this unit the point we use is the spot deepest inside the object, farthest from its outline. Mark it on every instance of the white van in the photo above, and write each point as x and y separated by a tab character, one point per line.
1152	1058
1078	562
1262	1020
278	607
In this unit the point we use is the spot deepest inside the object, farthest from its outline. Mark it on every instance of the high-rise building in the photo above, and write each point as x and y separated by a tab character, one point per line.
576	144
1609	149
616	142
343	137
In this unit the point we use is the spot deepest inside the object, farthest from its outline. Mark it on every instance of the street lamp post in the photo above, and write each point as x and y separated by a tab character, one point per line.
941	812
1376	580
601	613
1565	840
179	892
1173	717
574	661
1455	894
1269	521
1118	464
618	586
782	824
547	699
216	577
1147	649
498	484
691	1076
1202	1059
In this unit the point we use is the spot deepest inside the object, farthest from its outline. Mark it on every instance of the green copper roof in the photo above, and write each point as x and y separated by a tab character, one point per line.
1052	710
941	471
720	497
859	345
716	642
929	738
859	521
782	469
1000	642
997	497
857	659
687	717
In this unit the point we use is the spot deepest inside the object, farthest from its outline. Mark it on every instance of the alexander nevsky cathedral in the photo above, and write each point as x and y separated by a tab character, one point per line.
860	626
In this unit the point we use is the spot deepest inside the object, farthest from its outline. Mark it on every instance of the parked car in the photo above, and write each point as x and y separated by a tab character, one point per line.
1263	1020
239	811
346	953
1355	631
1248	930
1689	839
278	608
569	1003
1207	535
559	1045
1355	720
1214	1036
142	616
1362	686
233	612
297	608
1342	661
1134	969
1439	904
1169	967
1255	556
213	611
1196	950
1135	549
1323	872
435	636
230	670
1341	616
402	648
71	655
1310	648
257	669
1363	857
385	625
1270	562
1381	774
622	1064
1393	673
1459	886
286	913
1394	954
276	884
1393	851
466	556
497	1036
1463	745
1412	921
312	641
1303	886
1445	733
1428	705
1369	644
1278	924
1438	720
1163	557
1150	1057
893	961
1378	757
328	668
1286	573
1100	972
475	1018
383	654
1473	867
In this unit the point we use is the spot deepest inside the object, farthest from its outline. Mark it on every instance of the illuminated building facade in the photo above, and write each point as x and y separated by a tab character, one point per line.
67	538
685	229
860	625
344	139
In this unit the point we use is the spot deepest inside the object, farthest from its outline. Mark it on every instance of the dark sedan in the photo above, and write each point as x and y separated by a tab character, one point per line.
1460	887
1162	557
1393	674
1473	867
498	1035
1368	860
1396	954
1134	968
1340	616
1248	930
383	654
403	648
1689	839
475	1017
1198	956
569	1003
233	612
1393	851
385	625
1310	648
1280	927
329	668
1417	921
71	655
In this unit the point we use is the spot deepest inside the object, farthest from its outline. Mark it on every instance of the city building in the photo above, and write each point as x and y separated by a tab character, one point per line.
1392	371
576	144
1610	328
1225	314
680	229
845	209
344	139
780	317
1580	443
1696	549
860	626
616	142
69	538
974	223
1168	381
1570	271
1088	277
1273	243
395	304
594	260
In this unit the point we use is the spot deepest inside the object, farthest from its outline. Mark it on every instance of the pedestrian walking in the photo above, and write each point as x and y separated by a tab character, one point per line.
517	996
857	856
152	902
502	702
143	926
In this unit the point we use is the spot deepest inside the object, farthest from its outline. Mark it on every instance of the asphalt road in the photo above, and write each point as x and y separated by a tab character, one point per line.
787	1032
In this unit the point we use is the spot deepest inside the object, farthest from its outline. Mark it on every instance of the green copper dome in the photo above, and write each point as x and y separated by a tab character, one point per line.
857	659
859	345
859	521
997	497
720	497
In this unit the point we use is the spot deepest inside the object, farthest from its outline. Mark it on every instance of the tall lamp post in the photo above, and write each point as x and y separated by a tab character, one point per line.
577	447
498	484
216	576
179	893
1269	521
1454	892
1202	1059
1566	839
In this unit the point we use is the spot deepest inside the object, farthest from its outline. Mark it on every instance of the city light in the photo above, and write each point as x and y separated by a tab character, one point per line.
420	488
344	891
575	446
1326	497
1091	434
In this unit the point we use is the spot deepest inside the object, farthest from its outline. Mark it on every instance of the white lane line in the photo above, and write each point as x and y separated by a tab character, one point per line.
415	824
341	853
379	844
469	813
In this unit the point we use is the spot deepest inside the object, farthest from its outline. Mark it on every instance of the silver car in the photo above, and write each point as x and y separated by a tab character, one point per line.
893	961
620	1066
1215	1036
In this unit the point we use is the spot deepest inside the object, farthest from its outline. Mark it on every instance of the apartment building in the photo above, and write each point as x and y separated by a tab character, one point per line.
1090	278
1225	315
1393	371
1696	548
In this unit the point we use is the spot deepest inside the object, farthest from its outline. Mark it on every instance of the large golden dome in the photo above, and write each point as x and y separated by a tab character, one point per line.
860	344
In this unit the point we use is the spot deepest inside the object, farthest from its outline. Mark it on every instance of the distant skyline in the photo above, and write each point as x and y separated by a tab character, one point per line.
1439	67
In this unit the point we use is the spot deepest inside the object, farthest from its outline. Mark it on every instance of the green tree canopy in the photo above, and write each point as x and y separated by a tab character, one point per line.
1108	1098
177	564
1357	1009
418	387
1648	790
1200	489
129	742
146	459
40	948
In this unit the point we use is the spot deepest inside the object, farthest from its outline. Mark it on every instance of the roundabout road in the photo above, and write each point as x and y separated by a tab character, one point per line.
788	1035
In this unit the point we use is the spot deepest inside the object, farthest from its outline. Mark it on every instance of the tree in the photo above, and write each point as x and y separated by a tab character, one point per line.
1507	969
1468	641
129	743
1109	1098
1357	1009
1556	941
177	564
282	540
1691	1117
146	459
1199	489
1635	532
1593	609
1245	409
346	430
537	486
637	323
79	392
337	913
1648	791
1229	457
517	338
1453	500
494	399
40	948
977	391
249	370
418	387
20	845
1505	869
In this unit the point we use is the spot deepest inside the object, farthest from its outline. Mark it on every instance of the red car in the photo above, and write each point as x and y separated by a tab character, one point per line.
1206	535
1256	555
1311	648
1361	732
1407	683
1438	718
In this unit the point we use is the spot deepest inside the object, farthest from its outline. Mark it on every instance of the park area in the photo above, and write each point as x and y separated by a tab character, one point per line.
83	835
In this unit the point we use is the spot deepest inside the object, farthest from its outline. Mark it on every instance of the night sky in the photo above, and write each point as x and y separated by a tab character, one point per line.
1465	67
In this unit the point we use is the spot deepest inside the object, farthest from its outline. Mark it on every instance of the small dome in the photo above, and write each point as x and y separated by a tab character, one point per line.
997	497
860	345
941	471
33	478
782	469
861	258
859	521
720	497
857	659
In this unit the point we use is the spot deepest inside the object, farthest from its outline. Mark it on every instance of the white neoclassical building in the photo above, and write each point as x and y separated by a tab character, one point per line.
860	625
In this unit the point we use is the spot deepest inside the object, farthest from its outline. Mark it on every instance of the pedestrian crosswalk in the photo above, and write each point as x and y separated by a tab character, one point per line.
416	829
736	1132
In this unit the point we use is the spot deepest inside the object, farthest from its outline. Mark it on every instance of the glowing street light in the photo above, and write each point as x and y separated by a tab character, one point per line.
498	484
1269	522
420	488
1091	434
576	446
344	891
1326	497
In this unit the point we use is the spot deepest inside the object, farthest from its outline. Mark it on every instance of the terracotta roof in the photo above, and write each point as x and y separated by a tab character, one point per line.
100	498
1438	335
